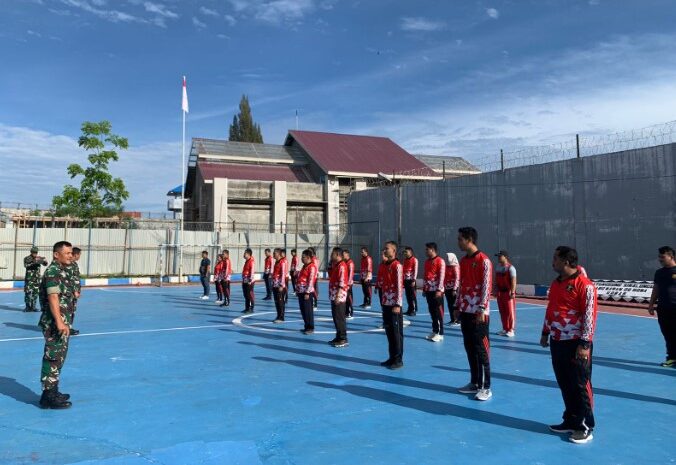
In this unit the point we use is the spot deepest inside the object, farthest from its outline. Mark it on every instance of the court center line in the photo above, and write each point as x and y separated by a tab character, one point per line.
131	331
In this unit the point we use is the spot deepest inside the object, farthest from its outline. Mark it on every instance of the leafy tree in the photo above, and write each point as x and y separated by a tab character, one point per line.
99	194
243	128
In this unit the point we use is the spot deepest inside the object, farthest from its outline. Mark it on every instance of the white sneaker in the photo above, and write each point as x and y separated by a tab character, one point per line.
218	302
368	307
204	297
455	323
430	336
349	317
502	332
509	334
437	338
468	388
483	394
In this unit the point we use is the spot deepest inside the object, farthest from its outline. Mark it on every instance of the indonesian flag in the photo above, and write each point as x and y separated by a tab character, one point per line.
184	104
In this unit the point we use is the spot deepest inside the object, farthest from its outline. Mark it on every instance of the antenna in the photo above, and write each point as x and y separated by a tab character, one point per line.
296	120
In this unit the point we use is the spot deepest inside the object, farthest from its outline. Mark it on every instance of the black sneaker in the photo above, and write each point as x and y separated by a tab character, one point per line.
340	343
581	437
561	428
74	332
396	365
50	400
307	331
386	363
247	311
333	341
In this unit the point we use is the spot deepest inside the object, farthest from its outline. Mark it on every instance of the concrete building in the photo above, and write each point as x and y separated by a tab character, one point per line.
301	185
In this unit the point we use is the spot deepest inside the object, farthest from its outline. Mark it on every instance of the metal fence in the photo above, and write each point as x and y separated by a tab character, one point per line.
134	251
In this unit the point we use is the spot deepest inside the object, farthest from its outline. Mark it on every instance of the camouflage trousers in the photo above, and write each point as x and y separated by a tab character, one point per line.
31	291
56	349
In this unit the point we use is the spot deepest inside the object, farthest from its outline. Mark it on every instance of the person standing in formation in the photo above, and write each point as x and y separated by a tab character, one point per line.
410	275
315	294
451	284
664	295
338	296
433	288
226	276
476	275
570	323
268	267
294	268
56	302
380	275
304	289
279	290
391	298
73	271
248	281
205	274
31	287
366	275
218	279
505	281
349	304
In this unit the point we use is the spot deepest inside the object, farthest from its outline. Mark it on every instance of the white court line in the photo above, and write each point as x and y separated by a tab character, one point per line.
131	331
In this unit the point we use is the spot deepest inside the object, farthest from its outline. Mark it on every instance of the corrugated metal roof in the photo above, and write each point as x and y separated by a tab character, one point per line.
253	172
255	153
437	162
355	154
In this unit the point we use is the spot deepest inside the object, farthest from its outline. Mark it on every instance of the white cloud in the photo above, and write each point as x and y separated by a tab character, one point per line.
223	36
197	23
208	11
230	20
35	157
114	16
421	24
277	11
160	10
492	13
33	33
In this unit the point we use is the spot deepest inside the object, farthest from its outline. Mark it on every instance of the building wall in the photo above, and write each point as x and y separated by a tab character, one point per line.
616	209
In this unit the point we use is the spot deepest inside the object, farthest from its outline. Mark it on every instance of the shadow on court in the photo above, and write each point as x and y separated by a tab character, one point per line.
439	408
23	326
552	384
12	388
602	361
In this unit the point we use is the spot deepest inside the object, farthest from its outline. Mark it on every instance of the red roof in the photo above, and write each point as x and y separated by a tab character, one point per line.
252	172
357	154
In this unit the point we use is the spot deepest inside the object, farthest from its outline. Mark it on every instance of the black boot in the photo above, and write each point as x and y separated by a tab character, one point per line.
74	332
50	400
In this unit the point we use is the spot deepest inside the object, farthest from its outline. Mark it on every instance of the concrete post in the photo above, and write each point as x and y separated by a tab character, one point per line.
220	206
278	205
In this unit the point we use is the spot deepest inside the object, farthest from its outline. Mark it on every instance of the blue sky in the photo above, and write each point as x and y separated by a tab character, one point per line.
461	78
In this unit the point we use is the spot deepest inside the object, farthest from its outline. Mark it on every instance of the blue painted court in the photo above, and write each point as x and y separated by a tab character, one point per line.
160	377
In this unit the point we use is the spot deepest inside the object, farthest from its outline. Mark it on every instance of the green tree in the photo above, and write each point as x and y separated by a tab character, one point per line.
243	128
100	194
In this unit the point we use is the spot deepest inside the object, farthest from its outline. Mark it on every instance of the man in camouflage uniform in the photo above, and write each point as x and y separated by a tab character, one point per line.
73	271
31	287
56	300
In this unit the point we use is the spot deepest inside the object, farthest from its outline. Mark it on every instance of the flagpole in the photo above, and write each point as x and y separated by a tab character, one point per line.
180	241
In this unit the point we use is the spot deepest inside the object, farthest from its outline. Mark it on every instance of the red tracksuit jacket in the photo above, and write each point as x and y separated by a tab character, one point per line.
452	277
410	268
572	309
338	282
435	270
248	272
476	283
366	268
279	273
350	272
307	277
269	265
391	276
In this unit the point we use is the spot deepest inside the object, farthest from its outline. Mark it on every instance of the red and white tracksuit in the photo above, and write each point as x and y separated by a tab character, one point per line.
338	296
570	322
391	279
305	287
451	285
350	282
476	275
506	300
433	282
279	273
366	275
268	267
248	281
410	268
